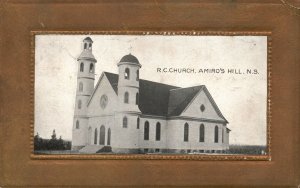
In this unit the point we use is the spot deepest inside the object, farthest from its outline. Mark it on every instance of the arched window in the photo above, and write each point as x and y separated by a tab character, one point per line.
125	122
102	135
91	68
201	133
80	86
126	97
96	136
146	131
108	136
81	67
186	132
79	104
222	135
90	45
127	74
157	136
216	134
137	75
138	123
137	99
85	45
77	124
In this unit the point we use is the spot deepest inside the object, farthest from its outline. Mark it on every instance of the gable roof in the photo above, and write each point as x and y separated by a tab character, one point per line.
183	97
113	80
153	96
162	99
212	101
180	98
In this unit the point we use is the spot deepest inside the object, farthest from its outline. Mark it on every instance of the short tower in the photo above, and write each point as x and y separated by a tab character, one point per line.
128	84
85	87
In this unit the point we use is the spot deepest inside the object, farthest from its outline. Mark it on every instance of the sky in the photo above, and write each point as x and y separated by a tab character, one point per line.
242	98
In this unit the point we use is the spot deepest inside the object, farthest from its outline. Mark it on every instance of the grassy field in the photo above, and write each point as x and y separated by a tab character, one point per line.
247	149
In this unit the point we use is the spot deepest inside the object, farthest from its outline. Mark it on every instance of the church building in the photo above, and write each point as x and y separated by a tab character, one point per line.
126	114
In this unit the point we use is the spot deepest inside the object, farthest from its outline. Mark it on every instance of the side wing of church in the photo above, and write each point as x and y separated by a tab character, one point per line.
126	114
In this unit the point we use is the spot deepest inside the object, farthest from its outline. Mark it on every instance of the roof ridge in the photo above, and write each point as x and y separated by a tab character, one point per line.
187	100
159	83
186	87
177	87
110	72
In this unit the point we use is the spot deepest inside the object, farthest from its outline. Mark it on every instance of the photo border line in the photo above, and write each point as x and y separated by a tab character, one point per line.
202	157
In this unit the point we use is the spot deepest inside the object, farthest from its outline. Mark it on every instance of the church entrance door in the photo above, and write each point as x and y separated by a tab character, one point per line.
102	135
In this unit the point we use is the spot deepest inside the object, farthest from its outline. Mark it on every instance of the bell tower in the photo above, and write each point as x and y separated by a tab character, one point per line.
85	87
128	84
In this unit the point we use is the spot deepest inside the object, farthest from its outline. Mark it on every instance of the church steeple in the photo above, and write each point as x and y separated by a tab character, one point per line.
128	84
86	54
85	88
87	44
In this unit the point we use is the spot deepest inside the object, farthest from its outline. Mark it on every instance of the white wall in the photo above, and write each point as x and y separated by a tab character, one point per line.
193	110
125	137
94	108
152	143
176	136
79	135
97	122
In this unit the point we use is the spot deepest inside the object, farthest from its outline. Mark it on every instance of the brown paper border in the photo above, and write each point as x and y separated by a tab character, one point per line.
266	157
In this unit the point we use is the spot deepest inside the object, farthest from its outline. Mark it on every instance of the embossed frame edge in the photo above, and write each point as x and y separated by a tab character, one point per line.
266	157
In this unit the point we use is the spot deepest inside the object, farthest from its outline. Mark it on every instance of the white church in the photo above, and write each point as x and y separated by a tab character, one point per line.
126	114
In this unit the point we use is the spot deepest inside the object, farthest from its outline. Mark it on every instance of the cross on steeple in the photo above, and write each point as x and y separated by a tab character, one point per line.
130	48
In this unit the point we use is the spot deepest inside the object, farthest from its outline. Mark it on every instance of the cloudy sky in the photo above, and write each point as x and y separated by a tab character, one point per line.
242	98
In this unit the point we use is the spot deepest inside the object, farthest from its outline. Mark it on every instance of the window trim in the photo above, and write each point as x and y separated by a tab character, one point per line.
127	74
222	135
95	136
138	123
216	133
126	97
125	122
81	69
77	124
202	133
158	131
146	130
91	69
186	132
137	98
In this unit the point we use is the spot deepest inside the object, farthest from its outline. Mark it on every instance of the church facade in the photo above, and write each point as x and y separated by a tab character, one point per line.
126	114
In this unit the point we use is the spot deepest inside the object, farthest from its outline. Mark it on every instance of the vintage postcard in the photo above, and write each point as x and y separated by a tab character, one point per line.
151	94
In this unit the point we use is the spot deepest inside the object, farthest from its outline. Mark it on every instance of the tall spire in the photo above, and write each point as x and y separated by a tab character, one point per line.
86	54
85	88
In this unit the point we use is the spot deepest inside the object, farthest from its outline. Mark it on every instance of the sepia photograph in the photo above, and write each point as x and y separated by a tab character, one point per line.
150	94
